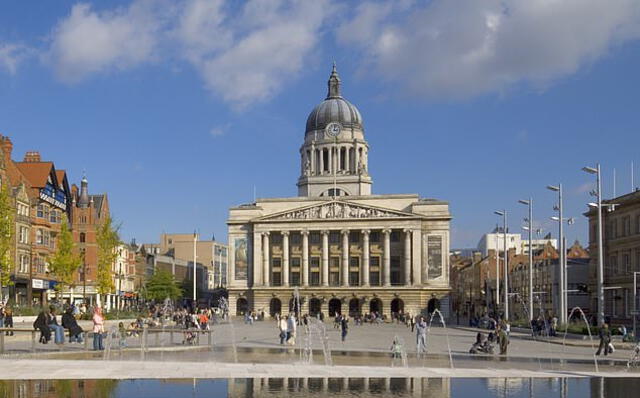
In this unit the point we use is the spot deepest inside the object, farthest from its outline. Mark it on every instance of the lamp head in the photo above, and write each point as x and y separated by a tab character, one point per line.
590	170
499	212
523	201
553	188
555	218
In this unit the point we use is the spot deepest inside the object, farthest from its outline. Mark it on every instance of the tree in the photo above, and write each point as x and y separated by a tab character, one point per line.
7	233
108	241
66	259
162	285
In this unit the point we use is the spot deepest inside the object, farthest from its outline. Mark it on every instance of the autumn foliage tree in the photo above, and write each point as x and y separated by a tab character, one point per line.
66	260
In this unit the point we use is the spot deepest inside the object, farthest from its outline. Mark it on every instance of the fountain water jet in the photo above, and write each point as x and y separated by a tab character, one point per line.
446	333
223	304
595	358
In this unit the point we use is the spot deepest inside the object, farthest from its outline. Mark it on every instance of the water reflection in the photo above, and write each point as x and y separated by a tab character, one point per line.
326	387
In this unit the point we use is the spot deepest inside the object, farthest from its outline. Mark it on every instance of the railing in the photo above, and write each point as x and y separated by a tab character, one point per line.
141	335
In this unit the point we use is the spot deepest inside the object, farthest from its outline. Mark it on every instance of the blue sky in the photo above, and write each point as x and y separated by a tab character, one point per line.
177	109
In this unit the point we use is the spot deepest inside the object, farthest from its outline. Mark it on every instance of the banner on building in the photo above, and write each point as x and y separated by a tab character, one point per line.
241	264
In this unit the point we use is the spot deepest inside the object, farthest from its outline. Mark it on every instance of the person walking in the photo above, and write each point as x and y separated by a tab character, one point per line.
8	320
344	326
98	329
282	327
503	339
605	339
421	336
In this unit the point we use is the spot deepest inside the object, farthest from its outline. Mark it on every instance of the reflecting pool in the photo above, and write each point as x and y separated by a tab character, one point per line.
325	387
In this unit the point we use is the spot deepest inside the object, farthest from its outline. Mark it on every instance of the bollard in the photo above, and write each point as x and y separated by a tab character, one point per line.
86	340
171	337
33	341
209	338
1	341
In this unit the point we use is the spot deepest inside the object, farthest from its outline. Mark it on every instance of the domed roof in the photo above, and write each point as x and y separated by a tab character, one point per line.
334	109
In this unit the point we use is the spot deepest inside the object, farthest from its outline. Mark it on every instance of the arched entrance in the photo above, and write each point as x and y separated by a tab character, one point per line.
335	307
397	306
275	307
354	307
315	306
242	306
375	305
432	305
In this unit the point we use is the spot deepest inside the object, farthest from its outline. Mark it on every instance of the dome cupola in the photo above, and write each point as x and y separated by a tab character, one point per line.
334	109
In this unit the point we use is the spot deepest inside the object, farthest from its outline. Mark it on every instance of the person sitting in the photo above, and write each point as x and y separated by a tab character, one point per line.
42	324
58	330
70	323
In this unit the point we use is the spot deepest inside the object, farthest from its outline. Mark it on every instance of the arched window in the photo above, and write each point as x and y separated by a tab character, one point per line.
83	237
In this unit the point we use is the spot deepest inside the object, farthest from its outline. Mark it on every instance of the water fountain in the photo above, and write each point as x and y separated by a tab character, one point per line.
143	341
223	304
444	326
111	336
403	352
318	329
584	318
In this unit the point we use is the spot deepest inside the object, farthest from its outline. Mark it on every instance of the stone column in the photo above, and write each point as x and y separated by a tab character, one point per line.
305	258
285	258
417	257
345	257
325	258
386	258
265	259
407	257
347	164
321	153
365	257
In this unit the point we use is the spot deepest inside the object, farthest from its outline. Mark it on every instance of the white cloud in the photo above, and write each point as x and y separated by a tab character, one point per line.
11	55
89	42
459	49
246	55
219	130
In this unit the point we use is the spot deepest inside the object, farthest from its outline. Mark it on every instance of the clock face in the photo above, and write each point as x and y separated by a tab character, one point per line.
333	129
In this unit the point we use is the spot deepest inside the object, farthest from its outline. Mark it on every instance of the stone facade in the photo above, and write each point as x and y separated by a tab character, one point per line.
344	249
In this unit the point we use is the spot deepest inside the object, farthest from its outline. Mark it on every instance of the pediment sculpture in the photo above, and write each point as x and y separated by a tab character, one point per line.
337	210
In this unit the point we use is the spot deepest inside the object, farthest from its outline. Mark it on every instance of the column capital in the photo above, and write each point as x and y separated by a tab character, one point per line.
386	231
407	230
325	232
345	231
365	231
267	233
304	232
285	233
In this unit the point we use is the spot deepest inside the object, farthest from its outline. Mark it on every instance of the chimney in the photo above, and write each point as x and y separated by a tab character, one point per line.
32	157
7	146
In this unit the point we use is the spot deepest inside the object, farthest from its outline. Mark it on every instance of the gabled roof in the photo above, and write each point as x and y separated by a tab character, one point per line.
37	172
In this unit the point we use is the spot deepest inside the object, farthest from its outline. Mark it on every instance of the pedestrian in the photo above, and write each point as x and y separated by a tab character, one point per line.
412	321
98	329
58	330
70	323
605	340
291	330
396	349
2	316
122	332
344	325
421	336
282	327
42	324
8	320
503	339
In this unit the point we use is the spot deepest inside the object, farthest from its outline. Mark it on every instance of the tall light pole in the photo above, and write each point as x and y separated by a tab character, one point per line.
561	304
600	267
195	240
635	304
503	213
529	203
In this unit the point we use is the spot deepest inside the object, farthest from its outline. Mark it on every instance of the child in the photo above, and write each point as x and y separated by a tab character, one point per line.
396	349
123	335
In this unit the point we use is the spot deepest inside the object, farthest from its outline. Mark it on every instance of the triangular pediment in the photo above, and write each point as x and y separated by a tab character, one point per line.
337	210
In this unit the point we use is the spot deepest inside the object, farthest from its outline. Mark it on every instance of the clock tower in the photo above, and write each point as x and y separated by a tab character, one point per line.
334	155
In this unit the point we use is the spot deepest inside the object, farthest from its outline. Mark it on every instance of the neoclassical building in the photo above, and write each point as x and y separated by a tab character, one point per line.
345	249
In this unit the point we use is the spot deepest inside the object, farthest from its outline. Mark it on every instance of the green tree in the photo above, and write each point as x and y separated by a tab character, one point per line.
66	260
108	240
162	285
7	233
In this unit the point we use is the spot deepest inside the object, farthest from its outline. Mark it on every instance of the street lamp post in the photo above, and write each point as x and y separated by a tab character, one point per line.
530	229
503	213
561	275
635	303
195	240
600	267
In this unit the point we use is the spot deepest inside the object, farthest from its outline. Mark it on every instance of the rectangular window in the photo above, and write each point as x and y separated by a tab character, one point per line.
314	278
334	238
334	263
374	278
354	237
354	262
395	236
374	262
354	278
637	260
40	211
374	237
23	266
295	262
396	276
276	262
626	262
626	226
276	239
24	235
295	278
277	278
39	238
296	239
314	262
314	238
334	278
